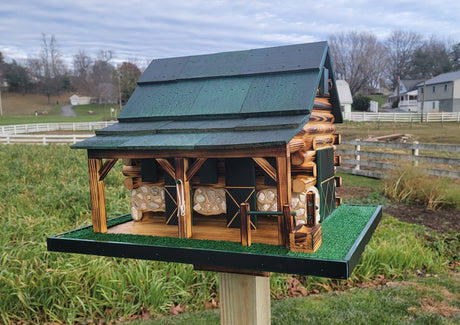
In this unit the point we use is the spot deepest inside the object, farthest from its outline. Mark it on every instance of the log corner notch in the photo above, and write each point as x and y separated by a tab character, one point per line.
97	173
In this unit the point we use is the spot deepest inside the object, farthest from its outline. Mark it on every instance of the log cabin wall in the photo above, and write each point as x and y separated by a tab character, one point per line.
317	134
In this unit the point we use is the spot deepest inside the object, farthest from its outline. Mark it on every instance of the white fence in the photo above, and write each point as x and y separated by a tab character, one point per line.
381	156
405	117
51	127
43	138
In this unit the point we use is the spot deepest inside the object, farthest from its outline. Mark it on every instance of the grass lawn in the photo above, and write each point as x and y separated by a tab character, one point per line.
20	109
423	300
45	191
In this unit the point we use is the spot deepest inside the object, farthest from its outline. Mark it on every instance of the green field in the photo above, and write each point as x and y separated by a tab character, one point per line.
407	274
45	191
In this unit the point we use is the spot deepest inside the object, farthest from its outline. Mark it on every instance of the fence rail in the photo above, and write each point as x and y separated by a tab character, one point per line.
43	138
381	156
405	117
51	127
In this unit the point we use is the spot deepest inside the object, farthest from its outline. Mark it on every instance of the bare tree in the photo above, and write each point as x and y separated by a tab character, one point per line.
53	73
101	77
50	56
400	48
105	55
81	63
82	69
359	59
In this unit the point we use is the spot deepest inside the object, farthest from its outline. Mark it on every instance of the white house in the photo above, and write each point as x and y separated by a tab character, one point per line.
407	99
79	100
442	93
345	98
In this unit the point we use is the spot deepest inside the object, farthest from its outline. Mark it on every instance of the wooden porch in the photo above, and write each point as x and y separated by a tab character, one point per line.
204	227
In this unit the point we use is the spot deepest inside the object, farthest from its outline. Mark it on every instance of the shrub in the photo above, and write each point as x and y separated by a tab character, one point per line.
361	102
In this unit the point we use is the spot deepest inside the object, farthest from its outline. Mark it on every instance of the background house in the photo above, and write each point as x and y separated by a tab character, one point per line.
345	98
79	100
407	96
442	93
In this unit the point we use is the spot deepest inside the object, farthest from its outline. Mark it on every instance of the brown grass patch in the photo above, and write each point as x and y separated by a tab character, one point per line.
15	104
430	306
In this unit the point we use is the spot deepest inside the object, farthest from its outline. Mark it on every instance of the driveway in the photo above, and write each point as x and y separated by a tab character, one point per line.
67	110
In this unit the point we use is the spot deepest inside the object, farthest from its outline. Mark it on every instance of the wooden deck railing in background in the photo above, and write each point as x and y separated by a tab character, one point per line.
379	157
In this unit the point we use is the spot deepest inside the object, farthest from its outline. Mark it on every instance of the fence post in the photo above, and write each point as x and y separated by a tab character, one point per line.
357	156
415	152
44	139
7	139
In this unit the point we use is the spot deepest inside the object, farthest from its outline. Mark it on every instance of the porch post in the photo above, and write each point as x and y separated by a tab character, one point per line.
283	170
97	191
184	202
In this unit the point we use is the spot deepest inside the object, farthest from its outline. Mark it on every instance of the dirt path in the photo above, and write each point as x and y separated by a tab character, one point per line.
67	110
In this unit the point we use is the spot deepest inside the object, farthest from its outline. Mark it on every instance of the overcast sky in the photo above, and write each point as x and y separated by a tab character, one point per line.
151	29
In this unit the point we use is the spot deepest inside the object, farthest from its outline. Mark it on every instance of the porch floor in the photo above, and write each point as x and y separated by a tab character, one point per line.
204	227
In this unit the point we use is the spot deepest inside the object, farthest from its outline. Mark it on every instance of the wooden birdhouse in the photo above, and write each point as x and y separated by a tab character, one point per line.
236	147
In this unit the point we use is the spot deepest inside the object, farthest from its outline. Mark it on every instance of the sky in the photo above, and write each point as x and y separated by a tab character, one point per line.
149	29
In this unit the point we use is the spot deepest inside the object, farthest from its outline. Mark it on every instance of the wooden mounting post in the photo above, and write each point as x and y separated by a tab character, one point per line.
245	229
244	299
97	192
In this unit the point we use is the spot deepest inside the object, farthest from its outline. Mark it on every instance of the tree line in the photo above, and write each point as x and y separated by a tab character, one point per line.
47	74
368	64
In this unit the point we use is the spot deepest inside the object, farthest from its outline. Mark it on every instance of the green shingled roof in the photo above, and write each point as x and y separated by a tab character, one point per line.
253	98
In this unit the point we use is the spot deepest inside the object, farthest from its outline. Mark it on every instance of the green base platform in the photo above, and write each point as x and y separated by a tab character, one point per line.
345	234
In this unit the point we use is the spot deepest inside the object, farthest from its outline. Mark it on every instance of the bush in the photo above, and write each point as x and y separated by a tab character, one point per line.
361	102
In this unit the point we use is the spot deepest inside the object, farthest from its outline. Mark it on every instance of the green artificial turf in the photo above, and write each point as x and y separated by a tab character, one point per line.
340	231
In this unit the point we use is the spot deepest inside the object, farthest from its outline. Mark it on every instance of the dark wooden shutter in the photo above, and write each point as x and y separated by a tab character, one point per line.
326	182
208	172
240	186
149	169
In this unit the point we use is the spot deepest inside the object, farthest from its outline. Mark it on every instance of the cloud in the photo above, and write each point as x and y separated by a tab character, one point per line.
155	29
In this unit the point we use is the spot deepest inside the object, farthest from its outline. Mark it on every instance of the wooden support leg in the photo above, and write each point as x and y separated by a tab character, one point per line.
97	191
244	299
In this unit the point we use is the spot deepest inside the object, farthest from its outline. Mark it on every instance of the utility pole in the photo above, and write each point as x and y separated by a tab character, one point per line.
423	97
119	89
1	84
